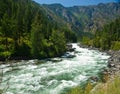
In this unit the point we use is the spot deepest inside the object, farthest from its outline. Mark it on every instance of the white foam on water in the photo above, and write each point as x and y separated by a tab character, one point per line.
53	77
79	78
64	84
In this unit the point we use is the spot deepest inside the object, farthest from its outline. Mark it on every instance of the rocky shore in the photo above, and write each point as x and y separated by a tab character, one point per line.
113	63
112	72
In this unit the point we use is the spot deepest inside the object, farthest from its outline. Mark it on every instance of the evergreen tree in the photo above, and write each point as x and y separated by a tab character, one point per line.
26	31
36	36
59	42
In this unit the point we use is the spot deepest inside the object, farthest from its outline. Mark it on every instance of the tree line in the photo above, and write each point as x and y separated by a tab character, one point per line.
106	38
27	31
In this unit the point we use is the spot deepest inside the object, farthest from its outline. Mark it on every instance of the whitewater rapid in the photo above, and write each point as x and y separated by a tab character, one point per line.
29	77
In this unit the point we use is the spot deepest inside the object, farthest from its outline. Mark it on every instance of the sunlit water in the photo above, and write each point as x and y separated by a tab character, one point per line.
27	77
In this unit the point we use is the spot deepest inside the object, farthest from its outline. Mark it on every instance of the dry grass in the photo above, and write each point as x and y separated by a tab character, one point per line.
110	87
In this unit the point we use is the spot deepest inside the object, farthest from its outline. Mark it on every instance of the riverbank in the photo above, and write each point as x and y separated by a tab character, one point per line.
54	77
113	61
112	84
67	73
110	87
111	78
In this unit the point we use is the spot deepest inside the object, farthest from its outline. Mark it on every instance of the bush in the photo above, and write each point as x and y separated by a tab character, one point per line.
5	54
115	45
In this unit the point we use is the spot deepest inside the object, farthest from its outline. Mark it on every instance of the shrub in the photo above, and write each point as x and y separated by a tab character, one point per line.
115	45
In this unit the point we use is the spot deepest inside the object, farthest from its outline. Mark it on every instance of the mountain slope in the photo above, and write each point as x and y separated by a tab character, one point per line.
27	31
85	18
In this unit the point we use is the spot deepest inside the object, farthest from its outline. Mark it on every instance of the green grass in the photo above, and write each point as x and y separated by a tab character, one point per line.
76	90
79	90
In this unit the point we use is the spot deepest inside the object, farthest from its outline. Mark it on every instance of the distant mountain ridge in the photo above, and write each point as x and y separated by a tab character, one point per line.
84	18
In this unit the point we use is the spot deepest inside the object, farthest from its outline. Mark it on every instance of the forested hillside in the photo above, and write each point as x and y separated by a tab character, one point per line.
85	18
106	38
27	31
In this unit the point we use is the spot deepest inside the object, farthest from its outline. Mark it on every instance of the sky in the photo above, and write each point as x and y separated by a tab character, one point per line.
69	3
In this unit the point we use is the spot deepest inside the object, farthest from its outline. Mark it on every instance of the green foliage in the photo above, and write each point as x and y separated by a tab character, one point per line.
27	31
70	35
46	42
79	90
37	36
107	38
76	90
85	40
58	41
5	54
115	45
110	36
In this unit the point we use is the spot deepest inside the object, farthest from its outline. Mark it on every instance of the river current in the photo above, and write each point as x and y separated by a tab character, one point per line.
30	77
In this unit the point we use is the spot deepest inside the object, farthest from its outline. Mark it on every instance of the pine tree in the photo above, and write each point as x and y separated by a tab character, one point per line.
37	36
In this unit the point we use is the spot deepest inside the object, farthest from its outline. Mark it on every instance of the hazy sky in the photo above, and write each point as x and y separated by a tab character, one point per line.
74	2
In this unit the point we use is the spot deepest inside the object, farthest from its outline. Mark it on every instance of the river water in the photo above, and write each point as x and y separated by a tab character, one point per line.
29	77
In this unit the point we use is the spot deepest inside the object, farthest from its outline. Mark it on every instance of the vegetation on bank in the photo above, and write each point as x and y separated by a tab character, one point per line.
27	31
107	38
111	87
79	90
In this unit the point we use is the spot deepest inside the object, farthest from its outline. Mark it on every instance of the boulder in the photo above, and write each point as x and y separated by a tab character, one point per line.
56	59
94	79
111	65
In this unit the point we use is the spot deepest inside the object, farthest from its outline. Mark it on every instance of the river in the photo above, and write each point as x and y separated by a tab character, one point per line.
29	77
